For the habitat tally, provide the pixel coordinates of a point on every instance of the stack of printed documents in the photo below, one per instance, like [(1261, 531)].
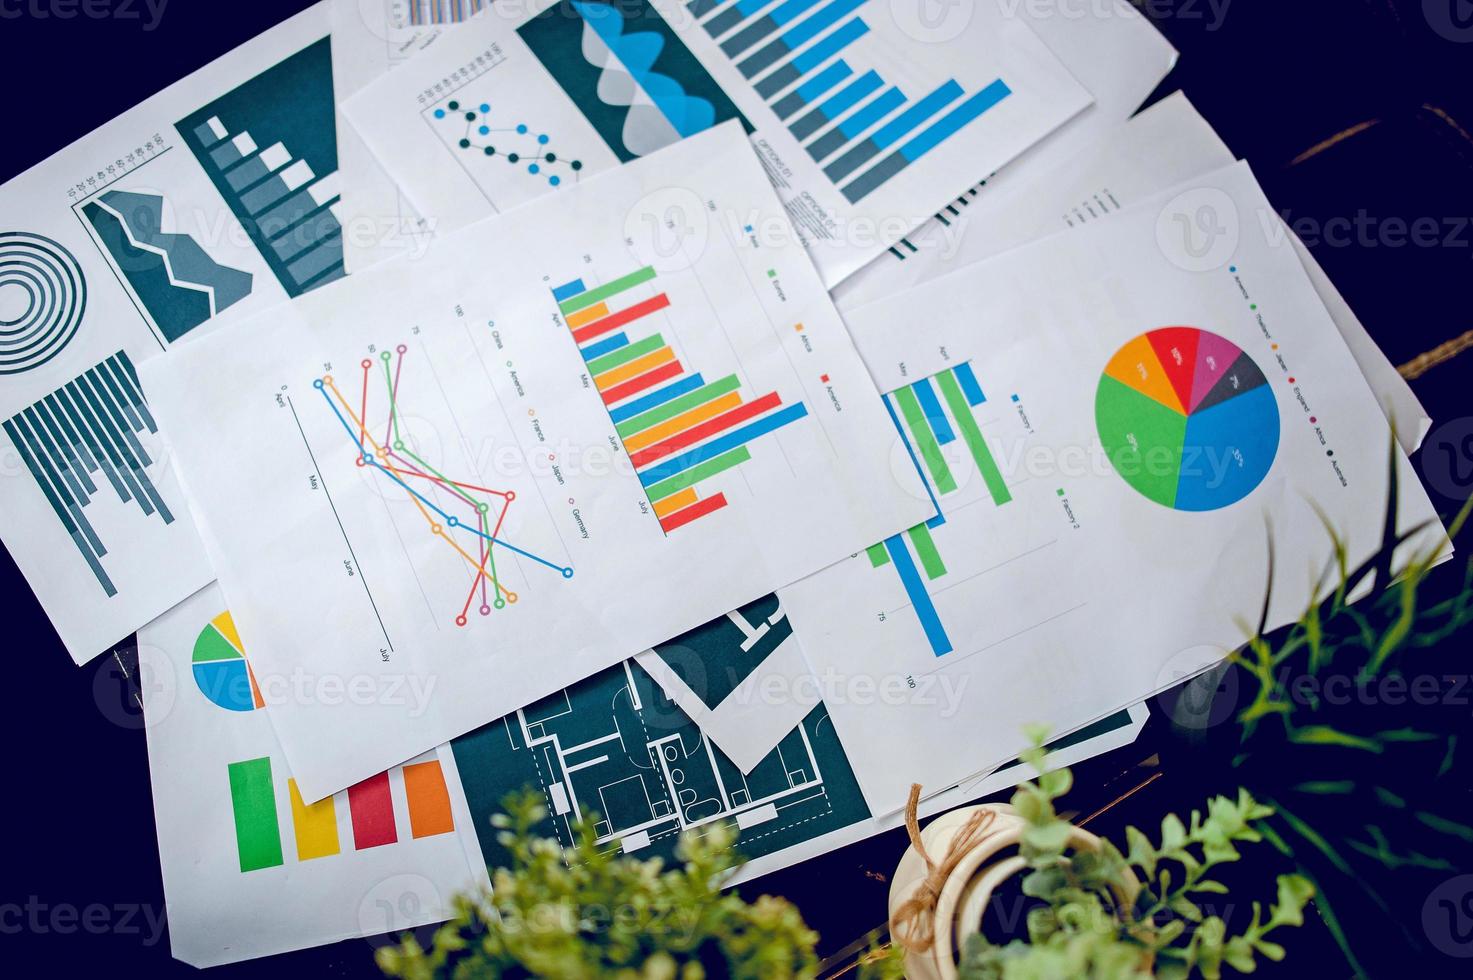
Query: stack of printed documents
[(737, 411)]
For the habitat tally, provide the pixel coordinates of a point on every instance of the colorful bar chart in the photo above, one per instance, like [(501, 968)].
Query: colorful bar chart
[(863, 129), (86, 427), (931, 414), (678, 429), (315, 828)]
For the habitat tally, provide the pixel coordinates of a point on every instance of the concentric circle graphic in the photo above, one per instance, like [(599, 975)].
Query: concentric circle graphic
[(1187, 418), (42, 298)]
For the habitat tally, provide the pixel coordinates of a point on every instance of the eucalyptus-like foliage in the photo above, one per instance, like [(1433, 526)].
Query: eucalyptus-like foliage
[(591, 913)]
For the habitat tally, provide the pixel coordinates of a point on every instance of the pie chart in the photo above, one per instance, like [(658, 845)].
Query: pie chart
[(1187, 418), (220, 668)]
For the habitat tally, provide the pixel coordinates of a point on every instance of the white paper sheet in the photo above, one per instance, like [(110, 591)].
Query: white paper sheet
[(369, 37), (129, 240), (506, 110), (738, 683), (248, 870), (1166, 144), (1115, 53), (376, 608), (1069, 570)]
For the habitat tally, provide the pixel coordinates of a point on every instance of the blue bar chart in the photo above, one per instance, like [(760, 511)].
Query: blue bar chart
[(89, 427), (270, 147), (862, 128), (930, 415)]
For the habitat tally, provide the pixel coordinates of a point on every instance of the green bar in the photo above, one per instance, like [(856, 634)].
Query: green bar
[(625, 354), (920, 536), (951, 390), (696, 474), (926, 443), (878, 556), (608, 289), (257, 832), (675, 406)]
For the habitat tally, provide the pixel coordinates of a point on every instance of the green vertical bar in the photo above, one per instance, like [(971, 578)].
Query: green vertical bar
[(951, 390), (608, 289), (926, 443), (675, 406), (696, 474), (257, 831), (625, 354), (878, 556), (925, 546)]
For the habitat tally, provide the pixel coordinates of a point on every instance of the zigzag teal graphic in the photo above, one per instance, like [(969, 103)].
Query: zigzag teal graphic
[(174, 278)]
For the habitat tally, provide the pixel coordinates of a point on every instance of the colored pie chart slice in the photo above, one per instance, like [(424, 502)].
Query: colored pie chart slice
[(1187, 419), (220, 668)]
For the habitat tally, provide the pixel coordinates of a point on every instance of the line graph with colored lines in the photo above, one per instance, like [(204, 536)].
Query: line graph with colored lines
[(679, 430), (467, 516)]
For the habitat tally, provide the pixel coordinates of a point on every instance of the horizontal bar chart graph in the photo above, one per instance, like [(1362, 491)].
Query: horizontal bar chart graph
[(930, 415), (315, 827), (678, 428), (277, 169), (864, 129)]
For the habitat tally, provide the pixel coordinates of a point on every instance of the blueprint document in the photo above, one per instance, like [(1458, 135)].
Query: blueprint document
[(215, 199), (447, 486), (1117, 425), (867, 116)]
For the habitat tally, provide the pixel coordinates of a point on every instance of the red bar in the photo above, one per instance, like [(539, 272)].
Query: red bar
[(647, 380), (373, 812), (709, 427), (616, 320), (700, 508)]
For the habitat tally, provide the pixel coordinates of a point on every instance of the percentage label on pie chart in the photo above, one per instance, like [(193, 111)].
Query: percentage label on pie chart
[(1187, 418)]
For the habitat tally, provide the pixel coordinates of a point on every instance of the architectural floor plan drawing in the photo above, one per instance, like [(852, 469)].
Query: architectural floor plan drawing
[(616, 747)]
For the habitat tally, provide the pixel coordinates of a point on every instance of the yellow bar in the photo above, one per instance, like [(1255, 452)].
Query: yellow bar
[(634, 368), (316, 826), (675, 502), (683, 421), (587, 315)]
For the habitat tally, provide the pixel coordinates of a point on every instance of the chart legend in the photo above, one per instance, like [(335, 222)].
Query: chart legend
[(679, 429)]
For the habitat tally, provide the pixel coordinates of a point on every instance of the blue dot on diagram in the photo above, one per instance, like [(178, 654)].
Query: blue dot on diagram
[(482, 134)]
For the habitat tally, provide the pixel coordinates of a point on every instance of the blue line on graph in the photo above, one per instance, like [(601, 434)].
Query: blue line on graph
[(970, 387), (920, 599), (931, 405), (940, 518), (714, 448), (450, 519)]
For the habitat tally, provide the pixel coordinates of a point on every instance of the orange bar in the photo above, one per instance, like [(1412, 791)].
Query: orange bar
[(683, 517), (634, 368), (683, 421), (675, 501), (587, 315), (429, 800)]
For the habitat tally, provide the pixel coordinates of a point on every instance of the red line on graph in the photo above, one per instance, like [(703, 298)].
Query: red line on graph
[(685, 515), (646, 380), (710, 427), (616, 320)]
